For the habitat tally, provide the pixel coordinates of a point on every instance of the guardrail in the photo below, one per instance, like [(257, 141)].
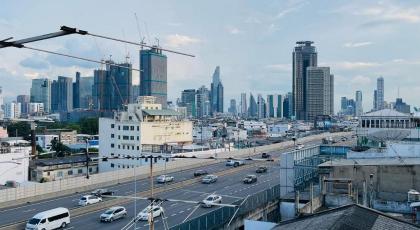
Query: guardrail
[(42, 191), (220, 217)]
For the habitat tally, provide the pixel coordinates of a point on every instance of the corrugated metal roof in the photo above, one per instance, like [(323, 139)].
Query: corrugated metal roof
[(161, 112), (373, 161), (386, 113)]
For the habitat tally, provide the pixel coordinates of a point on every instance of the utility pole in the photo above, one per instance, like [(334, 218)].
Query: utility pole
[(87, 159), (151, 219)]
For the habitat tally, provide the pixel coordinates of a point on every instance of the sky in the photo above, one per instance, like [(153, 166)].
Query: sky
[(251, 41)]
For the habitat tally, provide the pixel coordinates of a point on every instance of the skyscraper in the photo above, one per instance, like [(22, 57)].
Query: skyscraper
[(41, 92), (320, 92), (232, 107), (216, 92), (252, 110), (188, 100), (279, 107), (274, 106), (344, 103), (288, 105), (401, 106), (261, 107), (359, 103), (24, 103), (1, 103), (244, 107), (136, 92), (82, 92), (304, 56), (112, 88), (380, 103), (12, 110), (62, 94), (202, 102), (153, 77)]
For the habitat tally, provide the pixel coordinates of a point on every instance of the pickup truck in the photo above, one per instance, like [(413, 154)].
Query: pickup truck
[(234, 163)]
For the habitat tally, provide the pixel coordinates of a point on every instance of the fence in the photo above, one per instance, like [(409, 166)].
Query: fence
[(220, 217), (33, 192)]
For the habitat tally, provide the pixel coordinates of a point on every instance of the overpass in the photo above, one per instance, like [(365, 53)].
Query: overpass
[(185, 187)]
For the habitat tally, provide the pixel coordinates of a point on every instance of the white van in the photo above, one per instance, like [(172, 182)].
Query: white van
[(51, 219)]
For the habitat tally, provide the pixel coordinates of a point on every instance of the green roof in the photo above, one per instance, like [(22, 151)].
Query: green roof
[(161, 112)]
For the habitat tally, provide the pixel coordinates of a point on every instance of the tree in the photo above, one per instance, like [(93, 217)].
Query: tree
[(23, 129), (89, 126)]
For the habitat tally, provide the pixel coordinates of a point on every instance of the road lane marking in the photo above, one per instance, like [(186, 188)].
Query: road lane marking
[(29, 210)]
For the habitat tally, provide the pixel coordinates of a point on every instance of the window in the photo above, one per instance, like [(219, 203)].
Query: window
[(112, 154), (70, 172), (131, 137), (90, 170), (112, 135), (132, 128), (138, 128), (112, 126), (130, 118), (118, 146), (79, 171), (123, 146), (112, 145), (119, 127), (138, 148), (132, 147), (119, 137), (112, 165), (48, 173), (126, 137), (60, 174), (138, 138), (126, 127), (57, 217)]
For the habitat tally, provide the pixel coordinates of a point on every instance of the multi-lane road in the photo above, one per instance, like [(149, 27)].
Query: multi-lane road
[(229, 186)]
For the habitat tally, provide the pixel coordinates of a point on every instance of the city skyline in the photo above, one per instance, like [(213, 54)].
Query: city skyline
[(357, 59)]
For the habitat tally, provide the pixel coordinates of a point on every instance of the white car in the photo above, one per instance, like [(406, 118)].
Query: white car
[(113, 213), (89, 199), (144, 215), (211, 200), (234, 163), (164, 179)]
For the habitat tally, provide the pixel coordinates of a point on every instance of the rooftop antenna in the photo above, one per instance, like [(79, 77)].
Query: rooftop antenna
[(157, 40)]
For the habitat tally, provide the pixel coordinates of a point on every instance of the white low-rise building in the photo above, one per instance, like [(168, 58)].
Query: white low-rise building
[(255, 126), (278, 130), (144, 128), (14, 161)]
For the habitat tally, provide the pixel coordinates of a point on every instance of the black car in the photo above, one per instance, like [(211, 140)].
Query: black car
[(102, 191), (261, 169), (200, 172), (265, 155), (249, 179)]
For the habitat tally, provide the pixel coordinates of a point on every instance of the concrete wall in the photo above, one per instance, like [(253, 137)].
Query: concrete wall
[(390, 182)]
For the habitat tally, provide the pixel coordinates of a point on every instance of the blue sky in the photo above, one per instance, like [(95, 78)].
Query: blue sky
[(252, 41)]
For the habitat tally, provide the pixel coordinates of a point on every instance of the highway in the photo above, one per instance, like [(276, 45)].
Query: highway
[(229, 186)]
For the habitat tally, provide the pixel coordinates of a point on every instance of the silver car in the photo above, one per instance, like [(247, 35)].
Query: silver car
[(164, 179), (211, 200), (113, 213), (209, 179)]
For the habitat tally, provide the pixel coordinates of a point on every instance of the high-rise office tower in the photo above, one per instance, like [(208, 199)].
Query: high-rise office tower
[(252, 110), (401, 106), (261, 107), (202, 102), (232, 107), (41, 92), (244, 107), (274, 106), (153, 75), (359, 103), (62, 94), (344, 103), (188, 100), (1, 103), (304, 56), (288, 105), (112, 88), (24, 103), (216, 92), (82, 92), (270, 106), (12, 110), (320, 92), (136, 93), (380, 104)]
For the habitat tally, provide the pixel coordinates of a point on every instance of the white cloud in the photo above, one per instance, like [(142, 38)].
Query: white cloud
[(291, 8), (31, 75), (360, 80), (357, 44), (388, 12), (353, 65), (234, 31), (279, 67), (177, 40)]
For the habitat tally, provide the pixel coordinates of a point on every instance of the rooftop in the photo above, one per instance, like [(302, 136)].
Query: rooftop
[(161, 112), (373, 161), (352, 217), (386, 113), (62, 160)]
